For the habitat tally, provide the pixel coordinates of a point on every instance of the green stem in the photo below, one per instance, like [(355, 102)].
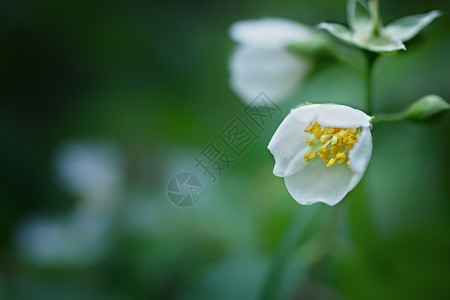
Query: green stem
[(374, 11), (324, 243), (384, 117), (371, 57), (293, 234)]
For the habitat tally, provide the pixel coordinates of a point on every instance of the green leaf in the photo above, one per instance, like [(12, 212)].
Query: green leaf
[(430, 108), (358, 15), (406, 28), (339, 31)]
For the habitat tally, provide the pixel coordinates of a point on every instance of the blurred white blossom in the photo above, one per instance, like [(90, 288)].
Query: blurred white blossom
[(322, 151), (91, 170), (78, 239), (262, 61)]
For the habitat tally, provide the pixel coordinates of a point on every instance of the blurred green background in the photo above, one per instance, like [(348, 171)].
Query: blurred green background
[(102, 102)]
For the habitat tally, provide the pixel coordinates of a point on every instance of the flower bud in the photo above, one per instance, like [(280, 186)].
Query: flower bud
[(430, 108)]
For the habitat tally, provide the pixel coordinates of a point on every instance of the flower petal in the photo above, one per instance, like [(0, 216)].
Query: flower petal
[(288, 146), (333, 115), (358, 15), (406, 28), (362, 39), (338, 31), (275, 72), (387, 47), (360, 156), (269, 33), (318, 183), (341, 116)]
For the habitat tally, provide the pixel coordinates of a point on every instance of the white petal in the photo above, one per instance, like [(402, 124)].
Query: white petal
[(319, 183), (364, 38), (338, 31), (361, 38), (406, 28), (276, 72), (360, 156), (269, 33), (358, 15), (288, 146), (388, 47), (342, 116), (332, 115)]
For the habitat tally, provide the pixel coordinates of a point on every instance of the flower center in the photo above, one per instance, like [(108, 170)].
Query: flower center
[(330, 143)]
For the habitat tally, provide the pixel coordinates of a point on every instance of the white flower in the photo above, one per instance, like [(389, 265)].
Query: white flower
[(322, 151), (367, 32), (262, 63)]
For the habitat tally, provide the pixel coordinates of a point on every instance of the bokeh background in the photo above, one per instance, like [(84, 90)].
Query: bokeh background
[(102, 102)]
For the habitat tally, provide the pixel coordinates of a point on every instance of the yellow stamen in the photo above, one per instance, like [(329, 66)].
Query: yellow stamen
[(334, 149), (310, 142), (330, 143), (331, 162)]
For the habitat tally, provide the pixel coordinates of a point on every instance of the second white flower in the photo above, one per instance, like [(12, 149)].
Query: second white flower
[(322, 151)]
